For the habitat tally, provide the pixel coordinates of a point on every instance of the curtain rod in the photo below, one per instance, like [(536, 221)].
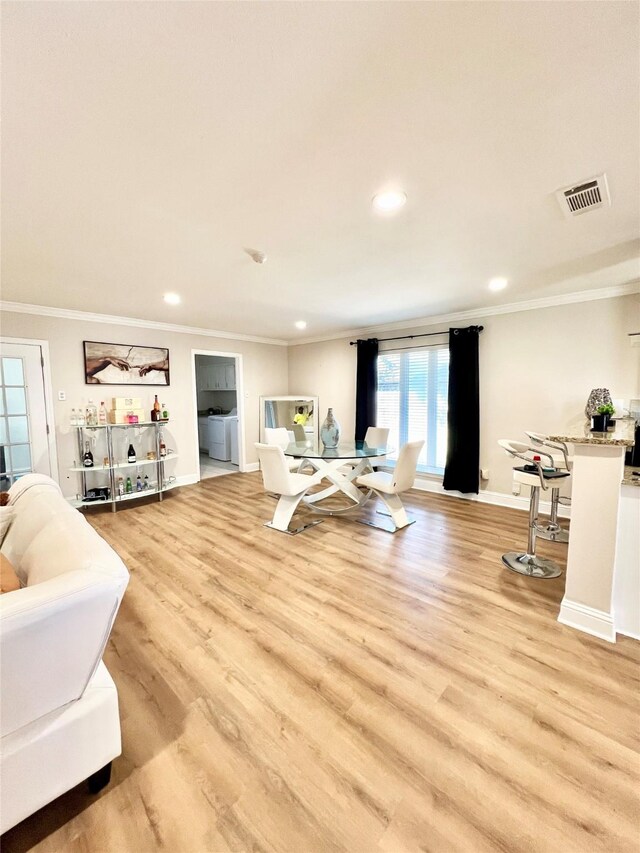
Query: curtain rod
[(411, 337)]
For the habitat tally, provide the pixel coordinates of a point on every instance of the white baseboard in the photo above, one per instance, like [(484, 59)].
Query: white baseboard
[(521, 502), (587, 619), (187, 479), (251, 466)]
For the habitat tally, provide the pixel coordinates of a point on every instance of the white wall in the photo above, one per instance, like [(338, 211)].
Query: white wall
[(536, 370), (265, 372)]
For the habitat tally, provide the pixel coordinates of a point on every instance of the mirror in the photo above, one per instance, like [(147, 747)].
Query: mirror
[(297, 410)]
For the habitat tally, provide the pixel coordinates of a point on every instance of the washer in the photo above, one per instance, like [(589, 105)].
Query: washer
[(220, 429)]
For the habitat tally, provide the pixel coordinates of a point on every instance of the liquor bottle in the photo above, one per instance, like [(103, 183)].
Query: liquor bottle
[(163, 446), (165, 412), (102, 414), (92, 414), (138, 483), (128, 487), (87, 459), (131, 454), (80, 417), (146, 482), (73, 420), (155, 412), (120, 486)]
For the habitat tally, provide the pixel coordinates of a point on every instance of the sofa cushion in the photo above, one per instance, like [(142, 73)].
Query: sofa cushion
[(67, 543), (32, 513)]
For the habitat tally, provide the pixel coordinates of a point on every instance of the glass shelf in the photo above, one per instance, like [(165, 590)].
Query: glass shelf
[(121, 426), (145, 493), (166, 458)]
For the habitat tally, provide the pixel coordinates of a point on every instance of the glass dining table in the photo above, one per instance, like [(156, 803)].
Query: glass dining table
[(341, 466)]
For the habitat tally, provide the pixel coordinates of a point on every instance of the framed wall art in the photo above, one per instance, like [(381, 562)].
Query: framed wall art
[(120, 364)]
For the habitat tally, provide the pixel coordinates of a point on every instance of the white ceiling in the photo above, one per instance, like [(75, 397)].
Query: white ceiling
[(145, 144)]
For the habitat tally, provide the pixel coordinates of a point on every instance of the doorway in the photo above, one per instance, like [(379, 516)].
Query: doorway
[(217, 388), (26, 423)]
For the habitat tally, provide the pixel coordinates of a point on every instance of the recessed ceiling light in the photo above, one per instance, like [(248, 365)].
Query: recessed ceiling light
[(300, 324), (498, 283), (172, 299), (389, 202)]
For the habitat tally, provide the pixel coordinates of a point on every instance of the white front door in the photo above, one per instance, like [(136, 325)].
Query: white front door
[(24, 435)]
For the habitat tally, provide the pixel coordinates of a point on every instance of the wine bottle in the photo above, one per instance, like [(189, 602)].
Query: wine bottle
[(87, 459), (128, 487), (102, 414), (131, 454), (163, 447)]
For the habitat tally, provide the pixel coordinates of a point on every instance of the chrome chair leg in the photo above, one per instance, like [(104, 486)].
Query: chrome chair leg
[(529, 563), (552, 529)]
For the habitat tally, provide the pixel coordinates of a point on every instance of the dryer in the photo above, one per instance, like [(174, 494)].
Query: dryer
[(220, 429)]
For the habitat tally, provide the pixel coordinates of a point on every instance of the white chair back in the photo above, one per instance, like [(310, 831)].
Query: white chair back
[(278, 437), (275, 471), (513, 447), (405, 470), (377, 437)]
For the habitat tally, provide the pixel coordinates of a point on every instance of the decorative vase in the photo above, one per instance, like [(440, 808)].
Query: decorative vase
[(598, 397), (330, 430)]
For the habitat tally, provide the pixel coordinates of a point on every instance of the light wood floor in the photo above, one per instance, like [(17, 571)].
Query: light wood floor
[(350, 690)]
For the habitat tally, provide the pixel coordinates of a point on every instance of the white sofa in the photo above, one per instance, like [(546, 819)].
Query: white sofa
[(59, 719)]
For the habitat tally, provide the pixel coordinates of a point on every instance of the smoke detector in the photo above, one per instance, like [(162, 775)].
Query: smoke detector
[(256, 256), (585, 196)]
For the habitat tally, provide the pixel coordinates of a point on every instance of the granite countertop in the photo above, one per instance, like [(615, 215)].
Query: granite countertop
[(629, 479), (622, 435)]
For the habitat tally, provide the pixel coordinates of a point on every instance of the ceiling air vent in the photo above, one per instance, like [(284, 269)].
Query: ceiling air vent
[(586, 196)]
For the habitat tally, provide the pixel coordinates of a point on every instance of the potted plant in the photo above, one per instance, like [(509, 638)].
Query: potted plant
[(601, 419)]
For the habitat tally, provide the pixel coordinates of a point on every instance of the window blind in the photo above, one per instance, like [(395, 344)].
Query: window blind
[(412, 402)]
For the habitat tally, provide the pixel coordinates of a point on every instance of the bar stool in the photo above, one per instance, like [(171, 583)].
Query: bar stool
[(553, 530), (534, 475)]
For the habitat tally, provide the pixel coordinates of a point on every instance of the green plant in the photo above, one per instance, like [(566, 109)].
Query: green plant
[(606, 409)]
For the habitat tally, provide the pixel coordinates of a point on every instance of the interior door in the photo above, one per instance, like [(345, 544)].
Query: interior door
[(24, 434)]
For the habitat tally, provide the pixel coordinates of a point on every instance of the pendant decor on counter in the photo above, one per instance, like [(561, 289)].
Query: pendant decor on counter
[(598, 397), (330, 430)]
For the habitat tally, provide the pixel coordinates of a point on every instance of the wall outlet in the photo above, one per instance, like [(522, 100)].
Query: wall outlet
[(484, 473), (62, 395)]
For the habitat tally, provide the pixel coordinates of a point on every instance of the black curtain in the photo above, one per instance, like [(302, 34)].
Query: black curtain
[(366, 386), (462, 471)]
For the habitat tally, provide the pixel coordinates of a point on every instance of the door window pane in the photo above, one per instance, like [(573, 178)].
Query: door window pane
[(20, 457), (12, 371), (3, 431), (18, 429), (16, 401)]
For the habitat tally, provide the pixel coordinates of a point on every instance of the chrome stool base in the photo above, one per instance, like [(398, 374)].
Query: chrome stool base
[(531, 565), (553, 533)]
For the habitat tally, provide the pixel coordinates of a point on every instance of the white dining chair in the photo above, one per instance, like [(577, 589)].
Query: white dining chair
[(279, 437), (377, 437), (389, 486), (291, 488)]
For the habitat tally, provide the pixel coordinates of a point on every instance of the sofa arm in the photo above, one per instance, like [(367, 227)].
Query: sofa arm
[(52, 637)]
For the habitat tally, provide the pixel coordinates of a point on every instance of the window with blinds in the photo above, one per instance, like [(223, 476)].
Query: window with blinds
[(412, 402)]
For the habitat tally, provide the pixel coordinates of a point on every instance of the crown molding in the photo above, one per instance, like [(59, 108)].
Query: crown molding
[(435, 320), (479, 313), (90, 317)]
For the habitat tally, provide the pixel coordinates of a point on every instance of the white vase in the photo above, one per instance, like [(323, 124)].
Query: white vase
[(330, 430)]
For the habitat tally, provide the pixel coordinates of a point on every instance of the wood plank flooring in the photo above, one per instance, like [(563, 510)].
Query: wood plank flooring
[(349, 690)]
